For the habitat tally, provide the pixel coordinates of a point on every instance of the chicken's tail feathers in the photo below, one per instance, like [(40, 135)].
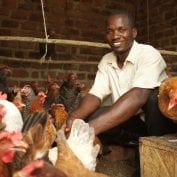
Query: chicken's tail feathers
[(33, 119), (81, 141)]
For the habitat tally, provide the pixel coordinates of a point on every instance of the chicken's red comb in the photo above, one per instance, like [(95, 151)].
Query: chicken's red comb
[(15, 137), (3, 96)]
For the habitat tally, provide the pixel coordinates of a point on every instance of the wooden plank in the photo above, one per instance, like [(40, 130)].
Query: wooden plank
[(158, 156), (69, 42)]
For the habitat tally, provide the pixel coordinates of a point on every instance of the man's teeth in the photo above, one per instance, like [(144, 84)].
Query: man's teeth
[(116, 43)]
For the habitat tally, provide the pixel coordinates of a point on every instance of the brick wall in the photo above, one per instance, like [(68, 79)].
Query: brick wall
[(160, 20), (76, 20)]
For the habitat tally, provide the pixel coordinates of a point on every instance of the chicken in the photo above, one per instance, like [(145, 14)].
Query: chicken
[(39, 138), (167, 98), (12, 118), (2, 114), (27, 94), (9, 143), (59, 115), (39, 168), (17, 100), (77, 154), (35, 87), (5, 72), (52, 95), (70, 92), (37, 103), (98, 141)]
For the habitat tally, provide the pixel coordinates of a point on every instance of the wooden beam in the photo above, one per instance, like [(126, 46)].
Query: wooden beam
[(68, 42)]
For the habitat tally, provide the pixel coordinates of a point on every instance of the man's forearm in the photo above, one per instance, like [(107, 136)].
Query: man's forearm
[(87, 106), (121, 110)]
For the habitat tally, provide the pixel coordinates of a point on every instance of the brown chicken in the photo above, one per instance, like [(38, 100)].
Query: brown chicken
[(52, 95), (167, 98), (37, 103), (59, 115), (39, 134)]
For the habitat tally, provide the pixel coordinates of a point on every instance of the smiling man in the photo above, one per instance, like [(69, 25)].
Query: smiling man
[(131, 74)]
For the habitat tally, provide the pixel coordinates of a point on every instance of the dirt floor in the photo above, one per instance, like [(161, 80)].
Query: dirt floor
[(120, 162)]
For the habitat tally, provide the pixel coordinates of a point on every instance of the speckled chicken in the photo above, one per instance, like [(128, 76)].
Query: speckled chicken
[(70, 92), (27, 94), (167, 98)]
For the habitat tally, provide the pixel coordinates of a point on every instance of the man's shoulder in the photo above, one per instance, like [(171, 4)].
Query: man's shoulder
[(108, 56), (146, 47)]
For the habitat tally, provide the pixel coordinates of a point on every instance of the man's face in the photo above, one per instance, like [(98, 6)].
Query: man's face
[(120, 33)]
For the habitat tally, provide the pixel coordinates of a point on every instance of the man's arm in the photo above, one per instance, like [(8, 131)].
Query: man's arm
[(87, 106), (124, 108)]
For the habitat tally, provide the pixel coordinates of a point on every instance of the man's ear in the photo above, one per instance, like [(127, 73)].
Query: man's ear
[(134, 32)]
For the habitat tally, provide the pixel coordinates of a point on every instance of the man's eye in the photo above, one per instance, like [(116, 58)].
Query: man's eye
[(109, 31), (122, 30)]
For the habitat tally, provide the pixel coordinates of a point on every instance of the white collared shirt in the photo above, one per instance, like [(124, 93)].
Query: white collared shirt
[(144, 68)]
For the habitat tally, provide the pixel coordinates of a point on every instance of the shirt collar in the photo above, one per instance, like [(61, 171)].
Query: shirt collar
[(133, 53), (130, 58)]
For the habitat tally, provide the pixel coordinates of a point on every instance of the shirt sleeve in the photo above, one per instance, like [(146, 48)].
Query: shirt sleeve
[(100, 87), (150, 71)]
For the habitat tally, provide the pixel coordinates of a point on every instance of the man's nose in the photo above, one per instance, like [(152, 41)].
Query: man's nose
[(116, 34)]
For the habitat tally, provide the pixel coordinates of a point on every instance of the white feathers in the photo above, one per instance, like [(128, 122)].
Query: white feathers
[(53, 152), (81, 142), (12, 119)]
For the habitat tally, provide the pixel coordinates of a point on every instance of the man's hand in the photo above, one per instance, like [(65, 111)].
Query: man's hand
[(68, 124)]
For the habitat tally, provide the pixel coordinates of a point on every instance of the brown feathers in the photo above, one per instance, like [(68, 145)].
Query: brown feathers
[(167, 98)]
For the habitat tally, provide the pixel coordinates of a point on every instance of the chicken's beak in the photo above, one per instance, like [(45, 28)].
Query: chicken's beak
[(21, 146), (170, 106), (172, 103)]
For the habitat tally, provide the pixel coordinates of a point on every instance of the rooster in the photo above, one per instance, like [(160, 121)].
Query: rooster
[(167, 98), (77, 154), (9, 143)]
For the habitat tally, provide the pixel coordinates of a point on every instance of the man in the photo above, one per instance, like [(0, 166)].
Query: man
[(131, 73)]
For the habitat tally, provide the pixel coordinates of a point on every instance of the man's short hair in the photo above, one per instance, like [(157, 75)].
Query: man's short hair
[(126, 13)]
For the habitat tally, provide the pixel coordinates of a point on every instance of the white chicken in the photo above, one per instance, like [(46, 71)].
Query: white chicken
[(12, 119), (76, 155)]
